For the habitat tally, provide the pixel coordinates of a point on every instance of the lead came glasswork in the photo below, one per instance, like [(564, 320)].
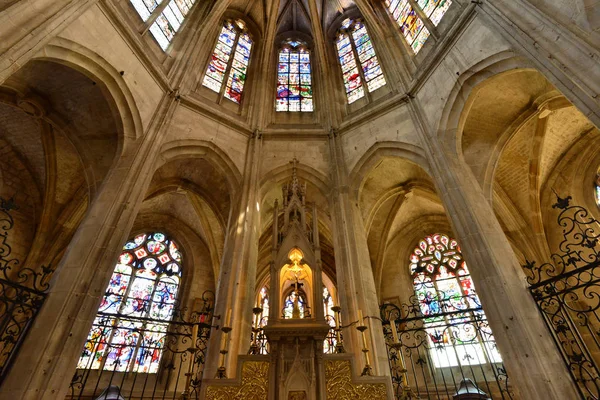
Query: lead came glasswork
[(294, 83), (168, 22), (144, 7), (412, 26), (232, 34), (448, 300), (140, 297), (354, 34)]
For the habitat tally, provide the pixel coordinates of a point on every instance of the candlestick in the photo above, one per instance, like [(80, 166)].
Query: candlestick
[(222, 371), (360, 318), (194, 334), (367, 370), (228, 318), (394, 331), (339, 346)]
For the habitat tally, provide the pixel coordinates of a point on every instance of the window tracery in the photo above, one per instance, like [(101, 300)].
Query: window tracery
[(165, 17), (131, 323), (294, 80), (409, 15), (227, 62), (353, 42), (456, 325)]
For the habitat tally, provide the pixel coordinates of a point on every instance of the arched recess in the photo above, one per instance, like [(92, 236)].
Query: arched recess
[(87, 62), (191, 148), (393, 193), (514, 129), (380, 150), (449, 126), (76, 115), (196, 182)]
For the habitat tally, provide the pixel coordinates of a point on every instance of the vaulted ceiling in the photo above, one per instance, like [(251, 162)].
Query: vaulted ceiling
[(293, 15)]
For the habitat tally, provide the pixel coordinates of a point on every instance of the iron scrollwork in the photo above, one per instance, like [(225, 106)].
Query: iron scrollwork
[(433, 354), (22, 292), (180, 358), (566, 290)]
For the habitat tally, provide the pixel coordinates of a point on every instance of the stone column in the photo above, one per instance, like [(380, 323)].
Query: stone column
[(535, 367), (355, 279), (27, 26), (46, 362), (237, 277), (569, 62)]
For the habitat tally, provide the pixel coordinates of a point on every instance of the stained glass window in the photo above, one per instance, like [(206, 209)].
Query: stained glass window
[(411, 24), (169, 18), (294, 82), (597, 189), (129, 330), (330, 316), (263, 302), (457, 327), (233, 36), (354, 42), (295, 297)]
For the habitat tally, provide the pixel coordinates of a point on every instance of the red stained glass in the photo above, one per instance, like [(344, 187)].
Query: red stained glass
[(128, 332)]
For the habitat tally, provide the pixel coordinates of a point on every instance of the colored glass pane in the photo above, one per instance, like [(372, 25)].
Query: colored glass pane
[(294, 83), (138, 303), (411, 25), (455, 323), (354, 39), (232, 36), (169, 21), (288, 310), (144, 7), (597, 189)]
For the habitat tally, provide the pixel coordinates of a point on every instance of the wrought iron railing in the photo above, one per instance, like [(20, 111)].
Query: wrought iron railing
[(435, 356), (22, 293), (180, 365), (259, 344), (567, 292)]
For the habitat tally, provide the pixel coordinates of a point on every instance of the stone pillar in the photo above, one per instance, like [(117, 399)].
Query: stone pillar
[(46, 362), (355, 279), (237, 277), (535, 367), (27, 26), (569, 62)]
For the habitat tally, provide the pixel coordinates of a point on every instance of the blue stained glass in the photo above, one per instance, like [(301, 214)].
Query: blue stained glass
[(294, 90), (371, 70), (411, 25), (231, 34), (136, 305), (455, 323)]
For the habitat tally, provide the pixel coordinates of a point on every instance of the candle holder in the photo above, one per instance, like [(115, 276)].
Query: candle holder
[(406, 392), (222, 371), (339, 345), (367, 370), (185, 395), (256, 330)]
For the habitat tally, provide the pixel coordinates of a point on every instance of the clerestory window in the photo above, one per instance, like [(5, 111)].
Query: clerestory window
[(164, 17), (410, 16), (230, 59), (294, 80), (354, 43)]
